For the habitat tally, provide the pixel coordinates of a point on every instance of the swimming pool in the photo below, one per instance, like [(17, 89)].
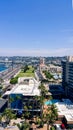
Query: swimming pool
[(50, 102)]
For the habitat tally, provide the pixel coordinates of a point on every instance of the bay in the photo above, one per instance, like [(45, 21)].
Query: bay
[(2, 67)]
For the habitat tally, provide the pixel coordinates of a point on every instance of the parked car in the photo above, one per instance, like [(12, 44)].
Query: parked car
[(57, 126)]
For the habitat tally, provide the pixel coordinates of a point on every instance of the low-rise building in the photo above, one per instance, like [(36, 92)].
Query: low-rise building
[(54, 69), (65, 111), (24, 95)]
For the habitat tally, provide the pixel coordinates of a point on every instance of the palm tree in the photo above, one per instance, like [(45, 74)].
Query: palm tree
[(1, 80), (44, 116), (47, 118), (8, 115), (43, 90), (54, 111), (50, 97), (42, 97), (1, 86), (10, 100), (38, 101), (23, 126), (39, 122), (27, 113), (51, 115), (0, 118)]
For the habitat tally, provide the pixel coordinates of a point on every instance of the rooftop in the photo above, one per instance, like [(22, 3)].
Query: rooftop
[(27, 86), (65, 108), (69, 118)]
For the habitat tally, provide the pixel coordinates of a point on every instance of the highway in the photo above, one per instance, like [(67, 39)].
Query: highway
[(11, 73)]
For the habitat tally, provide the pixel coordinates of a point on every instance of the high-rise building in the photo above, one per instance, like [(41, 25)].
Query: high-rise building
[(67, 76)]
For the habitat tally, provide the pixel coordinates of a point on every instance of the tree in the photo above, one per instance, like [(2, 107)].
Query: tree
[(23, 126), (14, 80), (42, 97), (48, 74), (1, 86), (52, 128), (51, 115), (0, 118), (25, 68), (8, 115), (1, 80), (50, 97), (43, 90), (39, 122), (10, 100), (27, 113), (54, 113)]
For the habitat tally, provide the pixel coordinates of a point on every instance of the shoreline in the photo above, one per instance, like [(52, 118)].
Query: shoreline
[(3, 70)]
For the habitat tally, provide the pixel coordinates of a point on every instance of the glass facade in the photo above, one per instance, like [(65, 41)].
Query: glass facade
[(67, 78)]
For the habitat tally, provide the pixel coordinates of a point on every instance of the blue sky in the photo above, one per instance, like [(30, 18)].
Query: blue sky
[(36, 27)]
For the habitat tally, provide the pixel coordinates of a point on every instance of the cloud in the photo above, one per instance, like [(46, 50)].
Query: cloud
[(40, 52)]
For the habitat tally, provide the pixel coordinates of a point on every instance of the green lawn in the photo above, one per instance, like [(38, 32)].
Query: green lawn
[(28, 73)]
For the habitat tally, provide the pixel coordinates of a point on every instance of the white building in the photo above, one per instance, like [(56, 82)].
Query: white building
[(27, 86), (65, 110), (24, 94)]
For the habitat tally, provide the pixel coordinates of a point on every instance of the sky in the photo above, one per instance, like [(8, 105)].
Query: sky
[(36, 27)]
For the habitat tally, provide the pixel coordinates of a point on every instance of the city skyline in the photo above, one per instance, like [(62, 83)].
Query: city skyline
[(36, 28)]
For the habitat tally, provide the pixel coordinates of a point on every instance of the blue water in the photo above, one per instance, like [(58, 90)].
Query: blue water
[(2, 67), (50, 102)]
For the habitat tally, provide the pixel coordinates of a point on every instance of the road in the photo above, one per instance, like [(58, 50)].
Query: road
[(11, 74)]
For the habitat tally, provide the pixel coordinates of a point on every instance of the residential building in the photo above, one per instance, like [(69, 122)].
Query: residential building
[(67, 76), (54, 69)]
